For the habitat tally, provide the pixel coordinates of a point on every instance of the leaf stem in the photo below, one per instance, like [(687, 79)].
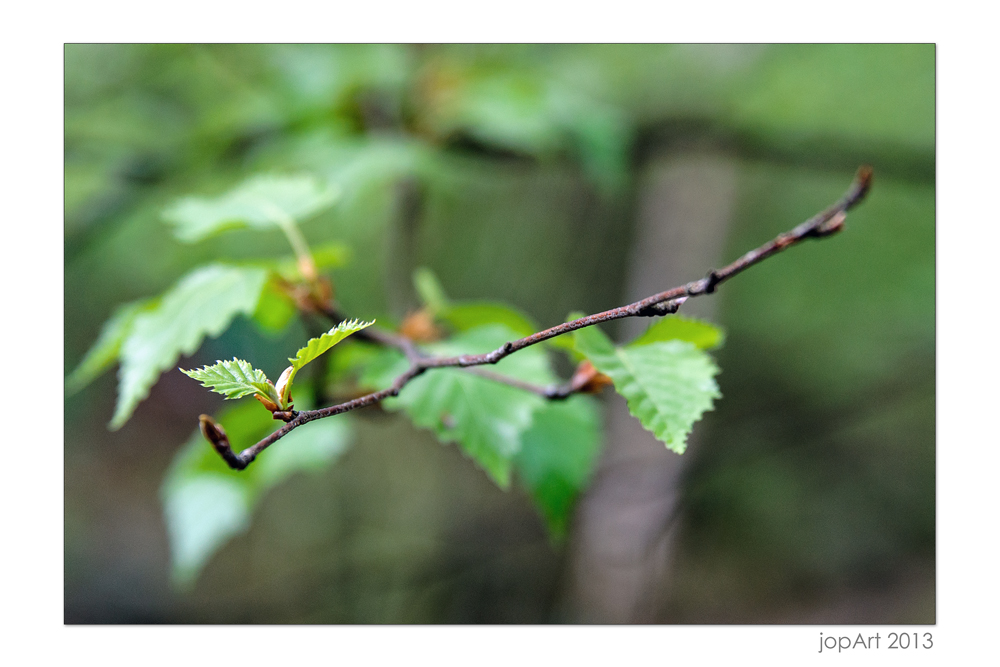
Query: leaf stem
[(306, 264)]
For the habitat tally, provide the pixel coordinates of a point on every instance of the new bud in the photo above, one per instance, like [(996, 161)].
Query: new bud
[(284, 388), (213, 432)]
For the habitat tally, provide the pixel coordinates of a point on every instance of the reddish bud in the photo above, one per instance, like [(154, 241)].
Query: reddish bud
[(419, 327), (588, 380), (266, 402)]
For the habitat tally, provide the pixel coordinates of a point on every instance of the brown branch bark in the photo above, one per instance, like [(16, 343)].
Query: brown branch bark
[(825, 223)]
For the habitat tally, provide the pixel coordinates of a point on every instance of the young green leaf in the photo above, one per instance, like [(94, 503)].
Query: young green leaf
[(203, 303), (317, 346), (262, 202), (234, 379), (313, 349), (668, 384), (205, 503)]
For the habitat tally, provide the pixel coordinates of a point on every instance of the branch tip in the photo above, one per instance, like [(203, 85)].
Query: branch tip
[(860, 187)]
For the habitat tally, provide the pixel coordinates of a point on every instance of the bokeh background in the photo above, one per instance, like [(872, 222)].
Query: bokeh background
[(555, 178)]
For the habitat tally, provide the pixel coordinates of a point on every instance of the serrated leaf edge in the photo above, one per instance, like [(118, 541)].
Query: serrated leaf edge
[(253, 380)]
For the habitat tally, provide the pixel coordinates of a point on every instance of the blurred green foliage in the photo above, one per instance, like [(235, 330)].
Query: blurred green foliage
[(815, 474)]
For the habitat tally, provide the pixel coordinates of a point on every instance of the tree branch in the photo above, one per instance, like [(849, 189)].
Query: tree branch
[(826, 223)]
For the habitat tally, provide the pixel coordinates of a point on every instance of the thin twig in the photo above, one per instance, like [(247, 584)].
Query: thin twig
[(821, 225)]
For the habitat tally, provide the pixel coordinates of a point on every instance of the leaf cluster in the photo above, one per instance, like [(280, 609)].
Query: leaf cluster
[(552, 447), (148, 337)]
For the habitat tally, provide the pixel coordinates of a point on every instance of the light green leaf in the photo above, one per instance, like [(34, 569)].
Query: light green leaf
[(485, 417), (668, 384), (703, 335), (203, 303), (104, 352), (558, 455), (262, 202), (234, 379), (316, 347), (319, 345), (205, 503)]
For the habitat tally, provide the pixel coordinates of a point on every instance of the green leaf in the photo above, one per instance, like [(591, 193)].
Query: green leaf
[(668, 384), (262, 202), (486, 418), (558, 455), (702, 335), (203, 303), (205, 503), (234, 379), (319, 345), (104, 352)]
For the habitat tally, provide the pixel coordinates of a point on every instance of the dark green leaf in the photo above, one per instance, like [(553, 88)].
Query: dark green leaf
[(558, 455)]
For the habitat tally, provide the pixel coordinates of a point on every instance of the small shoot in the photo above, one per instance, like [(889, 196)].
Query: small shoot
[(237, 378), (312, 350)]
